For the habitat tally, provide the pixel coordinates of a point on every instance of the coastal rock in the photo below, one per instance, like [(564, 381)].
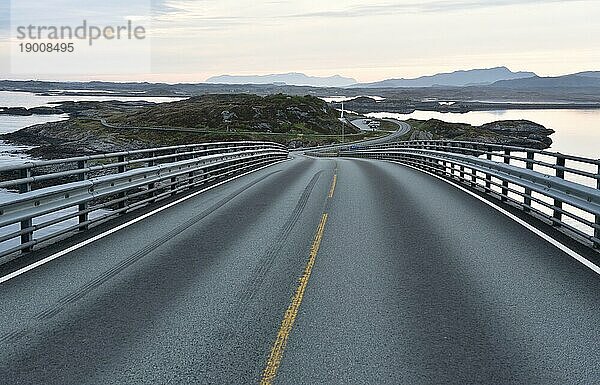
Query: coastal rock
[(67, 138), (519, 133), (16, 111), (46, 111), (22, 111), (518, 127)]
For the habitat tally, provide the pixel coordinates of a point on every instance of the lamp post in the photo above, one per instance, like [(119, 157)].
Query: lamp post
[(342, 121)]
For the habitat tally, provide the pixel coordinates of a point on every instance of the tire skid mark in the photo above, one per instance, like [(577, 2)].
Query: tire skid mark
[(84, 290), (229, 329), (258, 275)]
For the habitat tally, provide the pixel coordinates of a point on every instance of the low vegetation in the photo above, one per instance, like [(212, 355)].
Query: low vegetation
[(292, 120), (240, 112), (522, 133)]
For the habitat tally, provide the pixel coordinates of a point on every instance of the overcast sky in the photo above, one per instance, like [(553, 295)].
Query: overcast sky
[(195, 39)]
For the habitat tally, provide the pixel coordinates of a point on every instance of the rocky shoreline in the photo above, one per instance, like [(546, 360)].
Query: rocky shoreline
[(365, 105), (360, 105), (99, 127), (83, 133), (22, 111), (519, 133), (75, 136)]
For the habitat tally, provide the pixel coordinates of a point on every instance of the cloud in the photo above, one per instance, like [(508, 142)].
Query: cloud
[(187, 16), (436, 6), (220, 14), (4, 19), (69, 11)]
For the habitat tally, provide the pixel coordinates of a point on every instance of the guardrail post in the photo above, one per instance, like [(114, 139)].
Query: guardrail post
[(174, 179), (121, 169), (83, 206), (528, 192), (488, 177), (505, 183), (597, 230), (151, 163), (439, 165), (560, 173), (191, 179), (462, 168), (26, 224)]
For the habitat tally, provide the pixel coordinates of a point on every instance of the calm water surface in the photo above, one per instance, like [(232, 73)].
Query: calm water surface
[(577, 131)]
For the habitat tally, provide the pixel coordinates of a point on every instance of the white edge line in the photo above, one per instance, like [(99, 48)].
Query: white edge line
[(572, 253), (122, 226)]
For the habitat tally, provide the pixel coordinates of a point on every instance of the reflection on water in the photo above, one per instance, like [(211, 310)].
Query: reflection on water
[(577, 131)]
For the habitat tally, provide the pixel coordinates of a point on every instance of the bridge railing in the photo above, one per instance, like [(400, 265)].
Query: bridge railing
[(46, 200), (563, 190)]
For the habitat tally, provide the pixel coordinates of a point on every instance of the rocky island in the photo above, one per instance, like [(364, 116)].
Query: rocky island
[(451, 103), (22, 111), (520, 133), (297, 121), (95, 127)]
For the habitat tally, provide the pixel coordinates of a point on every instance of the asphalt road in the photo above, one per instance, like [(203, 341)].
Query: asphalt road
[(403, 127), (327, 271), (360, 124)]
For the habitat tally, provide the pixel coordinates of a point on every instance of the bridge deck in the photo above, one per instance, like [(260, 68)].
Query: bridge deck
[(414, 282)]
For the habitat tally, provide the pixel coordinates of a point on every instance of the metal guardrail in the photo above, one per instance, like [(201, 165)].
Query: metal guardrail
[(563, 190), (63, 196)]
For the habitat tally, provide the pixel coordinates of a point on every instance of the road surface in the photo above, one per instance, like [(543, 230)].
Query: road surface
[(312, 271), (403, 128), (361, 125)]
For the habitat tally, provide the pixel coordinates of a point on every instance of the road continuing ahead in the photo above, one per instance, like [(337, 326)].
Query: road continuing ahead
[(309, 272)]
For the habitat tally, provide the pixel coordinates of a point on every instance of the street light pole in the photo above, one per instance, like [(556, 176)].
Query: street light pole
[(342, 121)]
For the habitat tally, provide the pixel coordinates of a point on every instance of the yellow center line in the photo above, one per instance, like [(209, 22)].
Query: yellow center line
[(332, 190), (292, 311)]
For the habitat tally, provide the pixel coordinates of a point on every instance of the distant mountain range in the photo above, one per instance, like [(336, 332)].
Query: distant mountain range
[(497, 77), (485, 76), (580, 80), (589, 74), (453, 79), (292, 78)]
